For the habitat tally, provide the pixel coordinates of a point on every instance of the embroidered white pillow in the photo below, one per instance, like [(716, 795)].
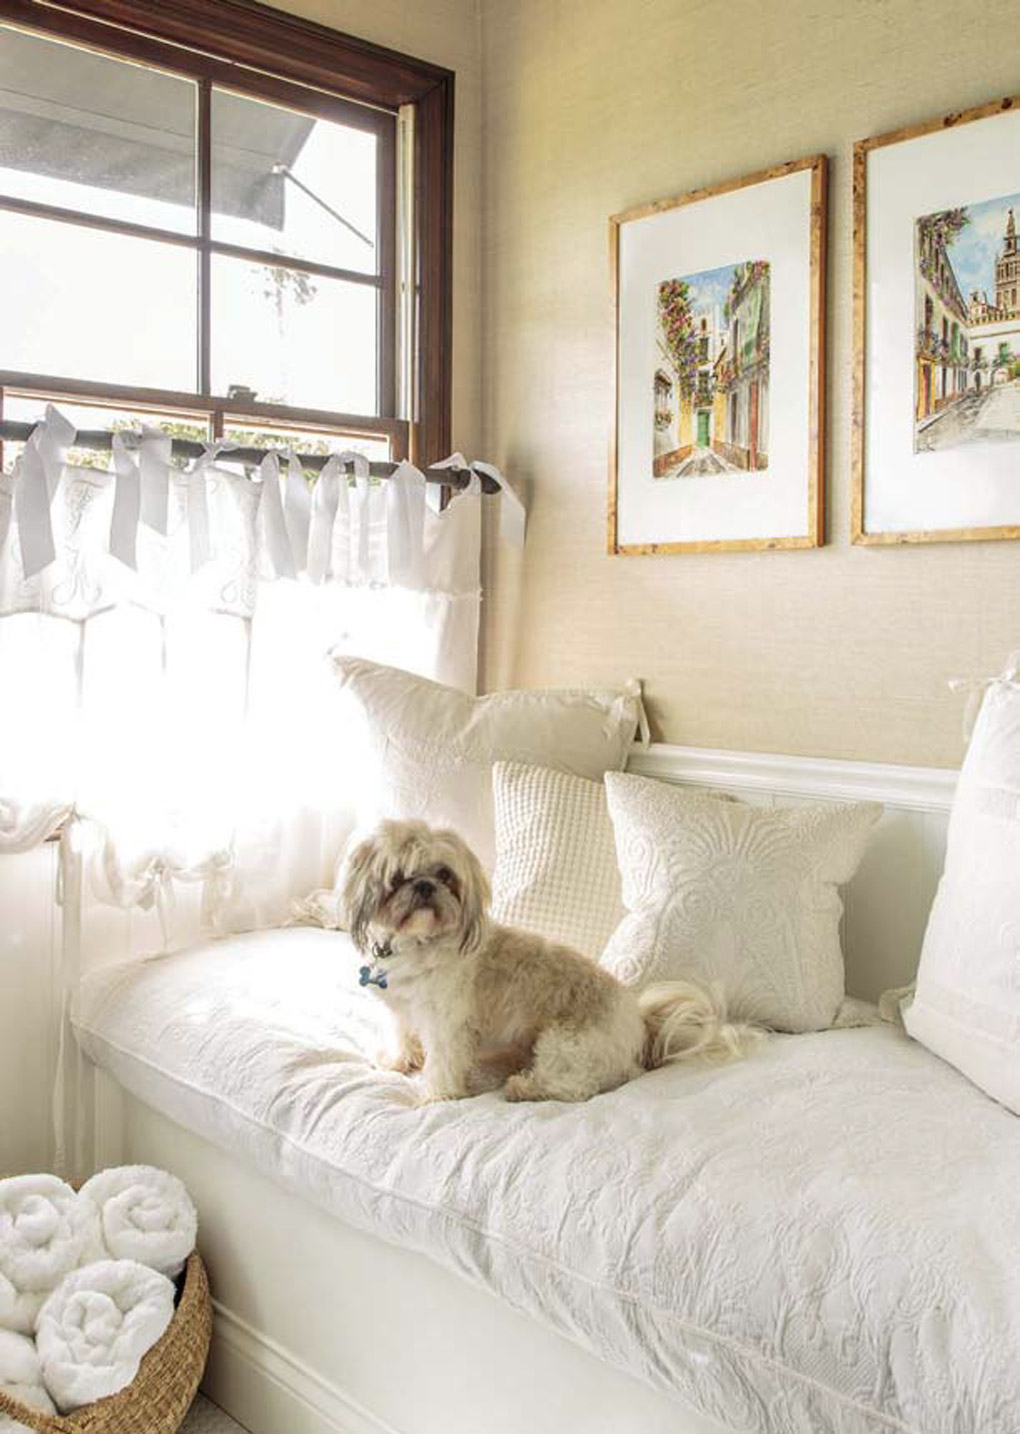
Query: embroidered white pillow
[(743, 897), (555, 871), (431, 749), (967, 1005)]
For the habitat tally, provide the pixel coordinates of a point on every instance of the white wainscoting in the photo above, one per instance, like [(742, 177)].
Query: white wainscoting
[(887, 903)]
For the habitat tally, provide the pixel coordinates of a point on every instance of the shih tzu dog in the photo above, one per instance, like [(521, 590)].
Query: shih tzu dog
[(470, 998)]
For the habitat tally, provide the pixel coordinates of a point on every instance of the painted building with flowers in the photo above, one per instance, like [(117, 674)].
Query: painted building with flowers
[(666, 449), (672, 436), (943, 345), (685, 413), (675, 376), (741, 371), (710, 339)]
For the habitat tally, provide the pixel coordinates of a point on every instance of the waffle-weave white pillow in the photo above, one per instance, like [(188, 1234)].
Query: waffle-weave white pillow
[(743, 897), (967, 1005), (556, 871)]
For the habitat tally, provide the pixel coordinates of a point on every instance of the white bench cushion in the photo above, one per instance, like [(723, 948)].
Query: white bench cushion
[(822, 1237)]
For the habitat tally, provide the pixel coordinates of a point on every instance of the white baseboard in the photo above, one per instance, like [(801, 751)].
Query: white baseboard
[(271, 1391)]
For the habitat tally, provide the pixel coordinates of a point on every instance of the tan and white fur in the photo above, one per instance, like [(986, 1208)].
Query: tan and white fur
[(470, 997)]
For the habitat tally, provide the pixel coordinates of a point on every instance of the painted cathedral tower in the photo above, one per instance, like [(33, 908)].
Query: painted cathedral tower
[(1007, 272)]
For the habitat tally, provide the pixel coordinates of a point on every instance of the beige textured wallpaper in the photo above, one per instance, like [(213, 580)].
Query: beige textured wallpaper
[(593, 106)]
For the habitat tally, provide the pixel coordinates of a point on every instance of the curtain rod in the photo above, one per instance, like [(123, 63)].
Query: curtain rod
[(101, 439)]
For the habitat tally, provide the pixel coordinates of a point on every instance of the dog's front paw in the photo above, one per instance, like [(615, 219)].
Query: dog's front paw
[(523, 1087)]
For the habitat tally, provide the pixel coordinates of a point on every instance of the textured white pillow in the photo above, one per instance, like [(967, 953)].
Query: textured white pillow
[(740, 896), (967, 1005), (432, 748), (556, 869)]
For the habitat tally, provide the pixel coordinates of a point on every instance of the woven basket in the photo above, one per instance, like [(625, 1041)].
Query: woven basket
[(157, 1399)]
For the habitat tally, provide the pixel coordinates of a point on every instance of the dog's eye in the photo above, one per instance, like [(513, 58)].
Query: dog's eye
[(445, 875)]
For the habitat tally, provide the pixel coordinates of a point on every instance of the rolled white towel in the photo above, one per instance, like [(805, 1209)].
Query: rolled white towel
[(95, 1327), (142, 1214), (21, 1378), (45, 1231)]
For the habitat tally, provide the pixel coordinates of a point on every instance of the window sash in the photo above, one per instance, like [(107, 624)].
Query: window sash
[(217, 409), (321, 60)]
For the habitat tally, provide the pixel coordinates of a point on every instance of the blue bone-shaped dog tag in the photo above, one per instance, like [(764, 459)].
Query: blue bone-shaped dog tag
[(374, 975)]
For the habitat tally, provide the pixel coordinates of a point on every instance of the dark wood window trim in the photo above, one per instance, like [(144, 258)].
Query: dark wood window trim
[(251, 47)]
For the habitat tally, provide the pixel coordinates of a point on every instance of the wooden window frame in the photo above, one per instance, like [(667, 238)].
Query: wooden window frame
[(254, 49)]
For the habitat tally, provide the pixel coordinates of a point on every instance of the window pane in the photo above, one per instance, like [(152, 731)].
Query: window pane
[(78, 303), (282, 336), (89, 132), (292, 184), (305, 441), (20, 409)]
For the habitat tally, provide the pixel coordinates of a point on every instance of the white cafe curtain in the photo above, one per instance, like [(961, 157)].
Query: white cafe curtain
[(163, 658)]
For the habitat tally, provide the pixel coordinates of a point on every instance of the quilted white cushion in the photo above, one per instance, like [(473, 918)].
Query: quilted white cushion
[(967, 1005), (432, 748), (818, 1240), (556, 869), (737, 896)]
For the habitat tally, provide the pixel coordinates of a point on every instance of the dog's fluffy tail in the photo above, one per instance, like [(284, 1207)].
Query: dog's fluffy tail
[(686, 1022)]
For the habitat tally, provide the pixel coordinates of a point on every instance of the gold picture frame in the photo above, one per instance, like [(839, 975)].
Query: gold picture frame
[(962, 343), (742, 456)]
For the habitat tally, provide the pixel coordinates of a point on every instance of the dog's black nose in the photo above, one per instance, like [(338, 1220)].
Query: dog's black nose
[(424, 888)]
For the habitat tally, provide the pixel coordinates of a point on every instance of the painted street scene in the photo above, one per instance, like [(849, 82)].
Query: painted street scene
[(712, 373), (967, 288)]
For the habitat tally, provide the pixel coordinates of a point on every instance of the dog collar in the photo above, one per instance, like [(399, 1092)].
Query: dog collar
[(371, 975)]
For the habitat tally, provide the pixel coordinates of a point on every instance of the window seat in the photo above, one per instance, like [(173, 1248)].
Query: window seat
[(821, 1237)]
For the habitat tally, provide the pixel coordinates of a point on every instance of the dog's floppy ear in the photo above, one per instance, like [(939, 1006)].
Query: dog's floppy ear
[(475, 896), (361, 890)]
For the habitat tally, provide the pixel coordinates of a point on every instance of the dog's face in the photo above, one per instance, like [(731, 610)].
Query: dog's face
[(408, 882)]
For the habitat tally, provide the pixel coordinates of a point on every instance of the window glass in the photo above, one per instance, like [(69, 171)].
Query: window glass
[(82, 303), (88, 132), (115, 142), (21, 409), (280, 335), (249, 435), (292, 184)]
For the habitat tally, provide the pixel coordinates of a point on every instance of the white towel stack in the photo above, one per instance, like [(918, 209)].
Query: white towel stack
[(90, 1276)]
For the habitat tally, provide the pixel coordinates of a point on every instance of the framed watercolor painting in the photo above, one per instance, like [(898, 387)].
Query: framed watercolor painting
[(718, 439), (937, 330)]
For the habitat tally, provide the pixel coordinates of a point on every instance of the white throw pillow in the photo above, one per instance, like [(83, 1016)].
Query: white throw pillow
[(737, 896), (967, 1005), (432, 748), (556, 870)]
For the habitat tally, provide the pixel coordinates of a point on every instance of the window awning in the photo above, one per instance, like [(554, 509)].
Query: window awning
[(71, 114)]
